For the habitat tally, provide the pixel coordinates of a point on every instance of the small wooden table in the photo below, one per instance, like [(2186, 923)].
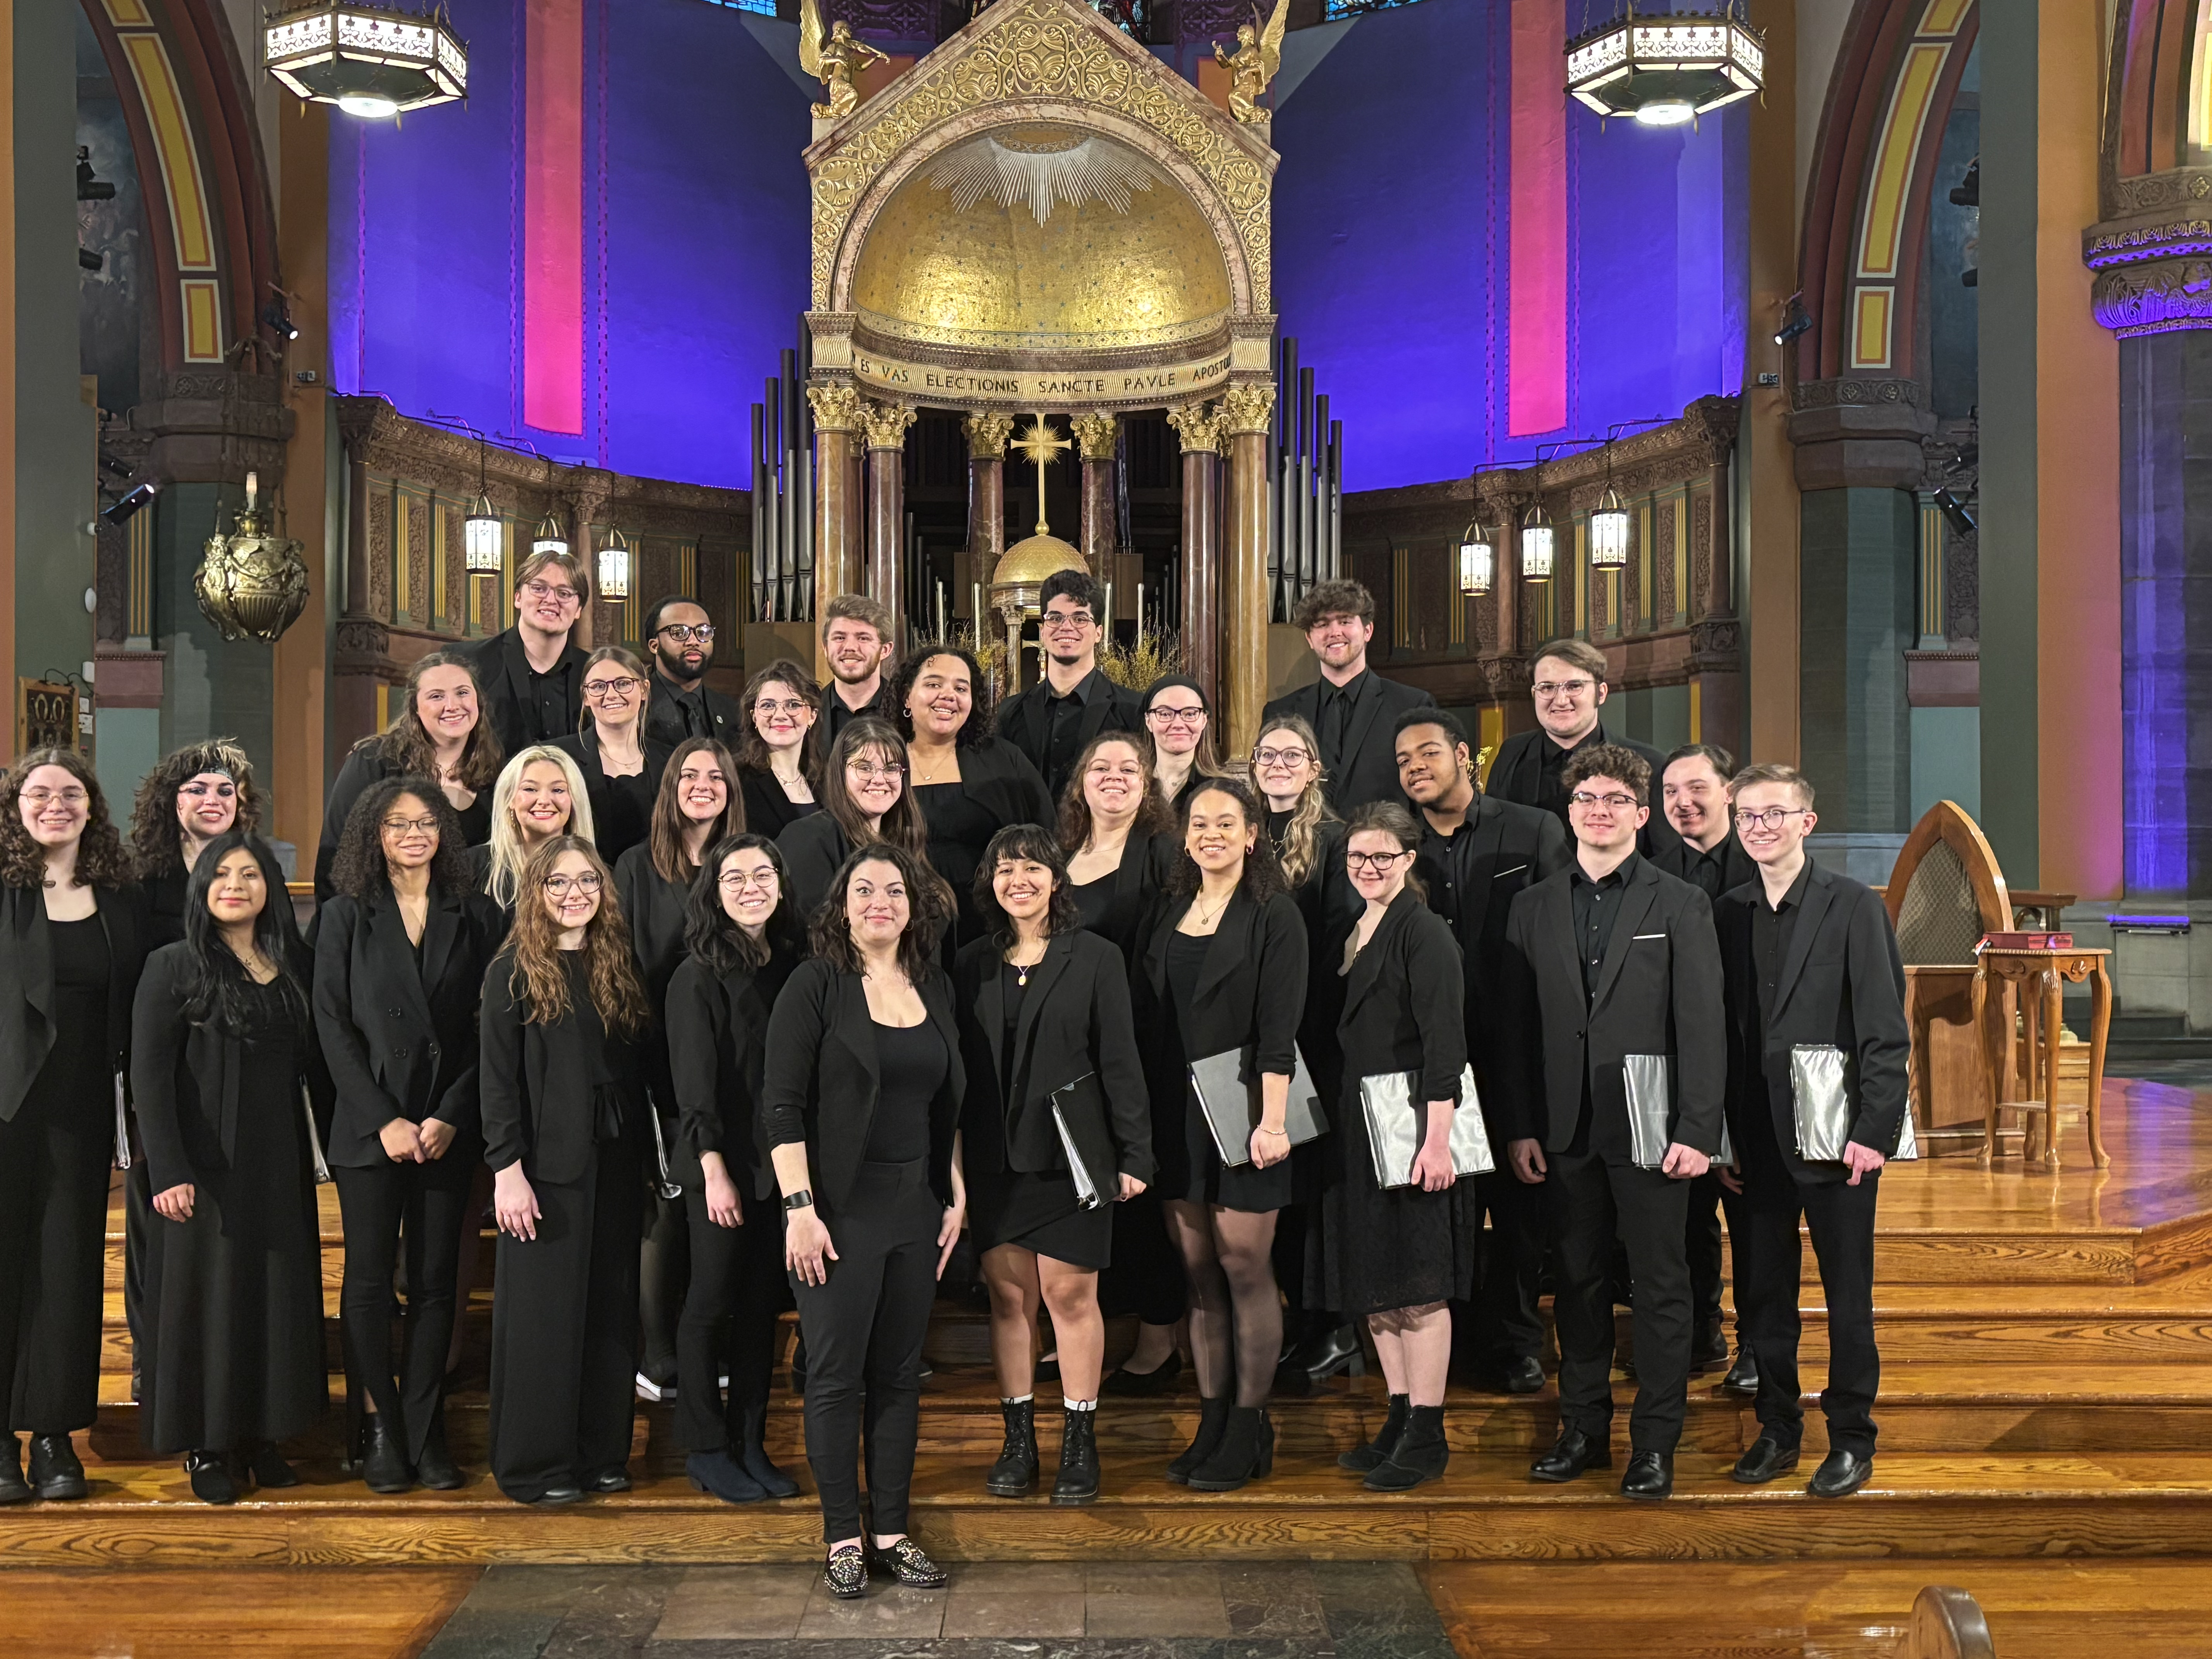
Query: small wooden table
[(2039, 975)]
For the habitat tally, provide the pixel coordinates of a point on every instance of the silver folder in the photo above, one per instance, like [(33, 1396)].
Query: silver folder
[(1820, 1102), (122, 1128), (314, 1137), (1232, 1104), (1651, 1100), (1086, 1188), (1398, 1121)]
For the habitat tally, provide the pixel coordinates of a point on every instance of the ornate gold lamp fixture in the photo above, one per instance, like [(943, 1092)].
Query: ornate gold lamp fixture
[(549, 538), (374, 62), (1665, 70), (1536, 545), (250, 582), (1478, 561)]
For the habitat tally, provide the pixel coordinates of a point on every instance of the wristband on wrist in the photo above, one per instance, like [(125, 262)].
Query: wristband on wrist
[(801, 1200)]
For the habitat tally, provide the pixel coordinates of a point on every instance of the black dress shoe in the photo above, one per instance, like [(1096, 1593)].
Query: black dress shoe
[(906, 1562), (1650, 1476), (55, 1471), (553, 1496), (1841, 1474), (1318, 1358), (614, 1479), (1572, 1453), (14, 1489), (212, 1480), (1743, 1375), (1708, 1345), (436, 1468), (270, 1470), (385, 1467), (847, 1574), (720, 1474), (1522, 1375), (1767, 1458), (1160, 1379)]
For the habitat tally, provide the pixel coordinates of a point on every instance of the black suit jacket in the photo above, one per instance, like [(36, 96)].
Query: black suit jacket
[(768, 811), (503, 682), (615, 829), (1075, 1021), (400, 1041), (717, 1050), (812, 848), (27, 982), (540, 1104), (1401, 1006), (664, 721), (1517, 769), (1368, 769), (1658, 993), (1842, 981), (1025, 722), (819, 1082)]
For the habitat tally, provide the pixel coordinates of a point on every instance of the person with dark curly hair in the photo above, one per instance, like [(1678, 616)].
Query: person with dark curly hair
[(776, 749), (400, 956), (1054, 1132), (72, 942), (968, 783), (198, 792), (861, 1089), (225, 1073), (1224, 971)]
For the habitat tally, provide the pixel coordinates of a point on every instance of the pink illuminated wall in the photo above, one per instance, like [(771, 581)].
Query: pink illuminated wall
[(1536, 327), (553, 217)]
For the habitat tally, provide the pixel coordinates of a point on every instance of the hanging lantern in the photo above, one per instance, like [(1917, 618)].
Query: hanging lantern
[(1608, 532), (1478, 561), (485, 538), (1664, 70), (549, 538), (374, 62), (614, 567), (250, 582), (1536, 546)]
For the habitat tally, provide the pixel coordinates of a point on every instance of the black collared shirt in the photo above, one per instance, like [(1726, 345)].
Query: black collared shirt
[(1063, 728), (690, 705), (1442, 865), (843, 713), (1708, 872), (1551, 778), (1596, 904), (1338, 704), (546, 700), (1771, 926)]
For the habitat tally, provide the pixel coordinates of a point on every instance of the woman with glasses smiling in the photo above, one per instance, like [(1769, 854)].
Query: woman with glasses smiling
[(201, 791), (540, 795), (401, 950), (865, 799), (780, 707), (621, 766), (1179, 725)]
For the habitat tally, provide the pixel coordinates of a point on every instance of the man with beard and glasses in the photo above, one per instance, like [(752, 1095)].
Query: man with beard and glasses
[(681, 642)]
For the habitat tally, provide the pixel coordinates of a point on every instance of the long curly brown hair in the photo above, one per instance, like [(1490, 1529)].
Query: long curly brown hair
[(408, 745), (100, 859), (361, 871), (929, 911), (1154, 817), (535, 974), (156, 839), (1263, 877)]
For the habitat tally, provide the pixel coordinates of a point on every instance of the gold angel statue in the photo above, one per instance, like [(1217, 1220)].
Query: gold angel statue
[(1259, 54), (833, 62)]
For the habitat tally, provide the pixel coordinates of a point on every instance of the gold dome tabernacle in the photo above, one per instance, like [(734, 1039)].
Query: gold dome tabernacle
[(1029, 561)]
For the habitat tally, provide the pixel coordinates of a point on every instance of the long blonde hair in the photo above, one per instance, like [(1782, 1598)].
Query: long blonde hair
[(1301, 834), (536, 974), (505, 878)]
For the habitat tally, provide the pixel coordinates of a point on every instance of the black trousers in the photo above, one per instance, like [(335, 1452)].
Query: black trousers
[(1591, 1204), (663, 1269), (864, 1330), (1501, 1322), (53, 1242), (729, 1325), (1770, 1261), (138, 1219), (1708, 1254), (564, 1331), (427, 1206)]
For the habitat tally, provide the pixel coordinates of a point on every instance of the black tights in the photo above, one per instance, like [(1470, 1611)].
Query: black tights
[(1235, 1311)]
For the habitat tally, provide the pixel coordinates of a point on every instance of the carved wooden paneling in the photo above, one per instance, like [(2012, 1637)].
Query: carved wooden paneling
[(418, 560), (455, 604), (1664, 601), (1701, 553), (378, 552), (1631, 577)]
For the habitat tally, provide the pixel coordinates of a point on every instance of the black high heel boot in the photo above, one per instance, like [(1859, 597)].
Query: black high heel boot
[(385, 1467), (1421, 1454), (1377, 1452), (752, 1452), (1247, 1452), (1077, 1482), (1015, 1473), (268, 1466), (1212, 1418)]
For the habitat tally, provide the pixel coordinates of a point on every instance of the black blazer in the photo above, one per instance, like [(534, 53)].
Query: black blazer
[(1658, 993), (27, 982), (184, 1077), (654, 910), (717, 1027), (1074, 1020), (999, 776), (365, 765), (1147, 861), (1842, 981), (1368, 769), (812, 849), (1517, 772), (1401, 1004), (768, 811), (616, 826), (1025, 722), (165, 906), (540, 1103), (819, 1083), (401, 1041), (503, 682), (663, 723)]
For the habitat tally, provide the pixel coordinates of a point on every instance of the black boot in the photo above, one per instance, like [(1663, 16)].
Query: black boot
[(14, 1489), (752, 1452), (1015, 1473), (1421, 1453), (1077, 1482), (1377, 1452), (719, 1474), (436, 1468), (1247, 1452), (269, 1468), (385, 1468), (1212, 1418), (55, 1471), (212, 1480)]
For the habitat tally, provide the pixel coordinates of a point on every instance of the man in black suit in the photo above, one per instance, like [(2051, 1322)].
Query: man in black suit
[(681, 642), (857, 638), (1477, 854), (1694, 791), (1567, 682), (1353, 712), (1614, 958), (1052, 720), (1810, 960), (530, 676)]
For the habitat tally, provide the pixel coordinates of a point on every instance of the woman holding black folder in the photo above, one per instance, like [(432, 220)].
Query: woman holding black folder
[(1224, 981), (1397, 1254), (1054, 1131)]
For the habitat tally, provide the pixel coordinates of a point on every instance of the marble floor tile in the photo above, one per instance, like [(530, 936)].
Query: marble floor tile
[(969, 1613), (883, 1613), (760, 1602), (1154, 1613)]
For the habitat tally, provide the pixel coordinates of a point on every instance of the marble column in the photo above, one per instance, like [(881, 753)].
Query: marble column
[(1200, 427), (885, 425), (1101, 532), (1246, 409), (837, 558), (987, 497)]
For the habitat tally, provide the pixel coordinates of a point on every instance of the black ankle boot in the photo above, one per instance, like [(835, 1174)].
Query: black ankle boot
[(1419, 1456), (1077, 1482), (1015, 1473), (14, 1489), (212, 1480), (436, 1468), (752, 1452), (385, 1468), (55, 1471), (1247, 1452), (1212, 1418), (268, 1466), (1377, 1452)]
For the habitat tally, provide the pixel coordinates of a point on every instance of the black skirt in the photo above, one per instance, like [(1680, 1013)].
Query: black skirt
[(1371, 1251), (1039, 1212)]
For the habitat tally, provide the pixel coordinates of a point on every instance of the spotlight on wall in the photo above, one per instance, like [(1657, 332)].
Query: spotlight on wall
[(1795, 319), (118, 512), (1954, 512), (90, 186), (277, 316)]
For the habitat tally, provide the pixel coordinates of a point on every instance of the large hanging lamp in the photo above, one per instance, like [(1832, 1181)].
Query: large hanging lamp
[(1608, 532), (1667, 69), (1478, 561), (482, 535), (614, 567), (550, 538), (374, 62), (1536, 545)]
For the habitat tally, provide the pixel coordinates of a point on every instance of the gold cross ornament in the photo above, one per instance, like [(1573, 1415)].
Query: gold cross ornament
[(1040, 447)]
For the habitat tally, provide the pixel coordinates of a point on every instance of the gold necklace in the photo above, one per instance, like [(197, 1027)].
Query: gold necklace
[(1205, 920), (950, 754)]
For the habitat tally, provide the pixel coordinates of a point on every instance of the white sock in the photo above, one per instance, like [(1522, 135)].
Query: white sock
[(1082, 1405), (1018, 1400)]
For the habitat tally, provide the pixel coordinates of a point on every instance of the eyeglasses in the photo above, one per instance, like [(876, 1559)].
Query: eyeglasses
[(1548, 690), (1061, 620), (794, 707), (428, 825), (1584, 798), (737, 881), (1292, 756), (1176, 716), (544, 590), (47, 797), (559, 886), (621, 688), (689, 634), (1380, 863), (1773, 818), (870, 769)]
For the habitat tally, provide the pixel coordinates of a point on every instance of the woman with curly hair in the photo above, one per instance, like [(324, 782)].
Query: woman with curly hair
[(440, 734), (968, 782), (72, 943), (562, 1099), (865, 800), (541, 793), (780, 705), (201, 791), (400, 956), (1055, 1131), (222, 1065), (621, 765)]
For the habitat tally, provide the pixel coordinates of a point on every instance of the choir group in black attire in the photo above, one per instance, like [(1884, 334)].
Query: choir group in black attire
[(765, 1002)]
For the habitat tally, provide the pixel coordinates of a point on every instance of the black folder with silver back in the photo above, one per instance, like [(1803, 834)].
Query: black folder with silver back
[(1230, 1100), (1398, 1121), (1078, 1114), (1820, 1102)]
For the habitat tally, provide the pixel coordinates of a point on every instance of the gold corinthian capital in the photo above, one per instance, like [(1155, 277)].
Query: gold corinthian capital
[(886, 424), (1095, 432), (987, 436), (1199, 425), (837, 406), (1247, 408)]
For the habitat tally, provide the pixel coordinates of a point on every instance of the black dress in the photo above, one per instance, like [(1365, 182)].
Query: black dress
[(236, 1350), (960, 827)]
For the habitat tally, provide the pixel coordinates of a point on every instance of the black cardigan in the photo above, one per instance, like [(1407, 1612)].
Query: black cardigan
[(819, 1083), (717, 1051), (654, 910), (27, 982), (365, 766), (812, 849), (540, 1107), (612, 832), (1402, 1005), (401, 1040), (1074, 1020)]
